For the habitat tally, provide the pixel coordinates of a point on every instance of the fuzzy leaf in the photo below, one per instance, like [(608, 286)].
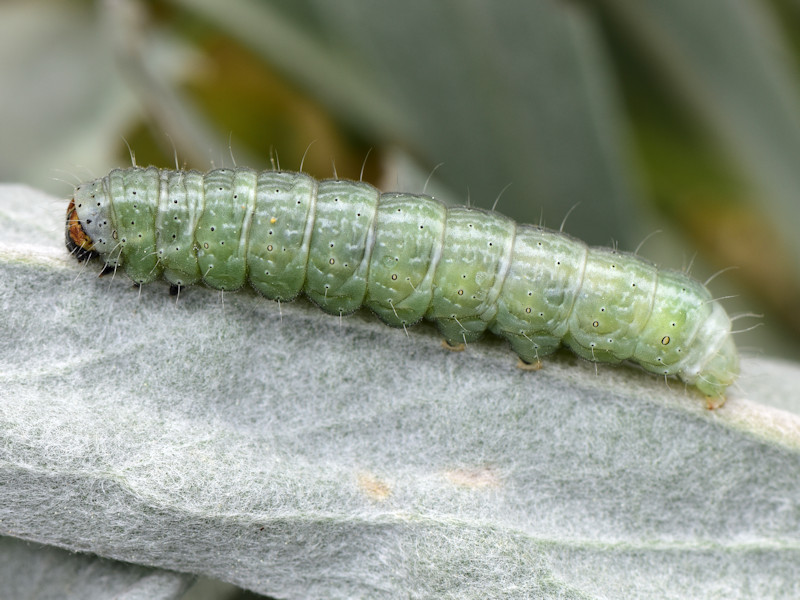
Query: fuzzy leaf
[(300, 455)]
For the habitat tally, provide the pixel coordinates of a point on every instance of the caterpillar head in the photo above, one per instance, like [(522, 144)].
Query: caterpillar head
[(88, 231), (79, 244)]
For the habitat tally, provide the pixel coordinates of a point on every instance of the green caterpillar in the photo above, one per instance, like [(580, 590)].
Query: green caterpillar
[(405, 256)]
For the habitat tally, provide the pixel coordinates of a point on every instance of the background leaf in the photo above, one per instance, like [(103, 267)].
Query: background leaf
[(649, 116)]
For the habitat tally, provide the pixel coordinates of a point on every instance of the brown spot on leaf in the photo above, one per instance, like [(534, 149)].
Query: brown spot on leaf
[(473, 477), (374, 487)]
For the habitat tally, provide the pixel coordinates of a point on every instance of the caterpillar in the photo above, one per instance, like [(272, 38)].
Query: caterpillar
[(406, 257)]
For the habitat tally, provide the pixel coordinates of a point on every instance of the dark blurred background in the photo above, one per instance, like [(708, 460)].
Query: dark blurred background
[(681, 117)]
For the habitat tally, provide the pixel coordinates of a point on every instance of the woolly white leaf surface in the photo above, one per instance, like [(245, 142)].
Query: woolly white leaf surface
[(300, 455)]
